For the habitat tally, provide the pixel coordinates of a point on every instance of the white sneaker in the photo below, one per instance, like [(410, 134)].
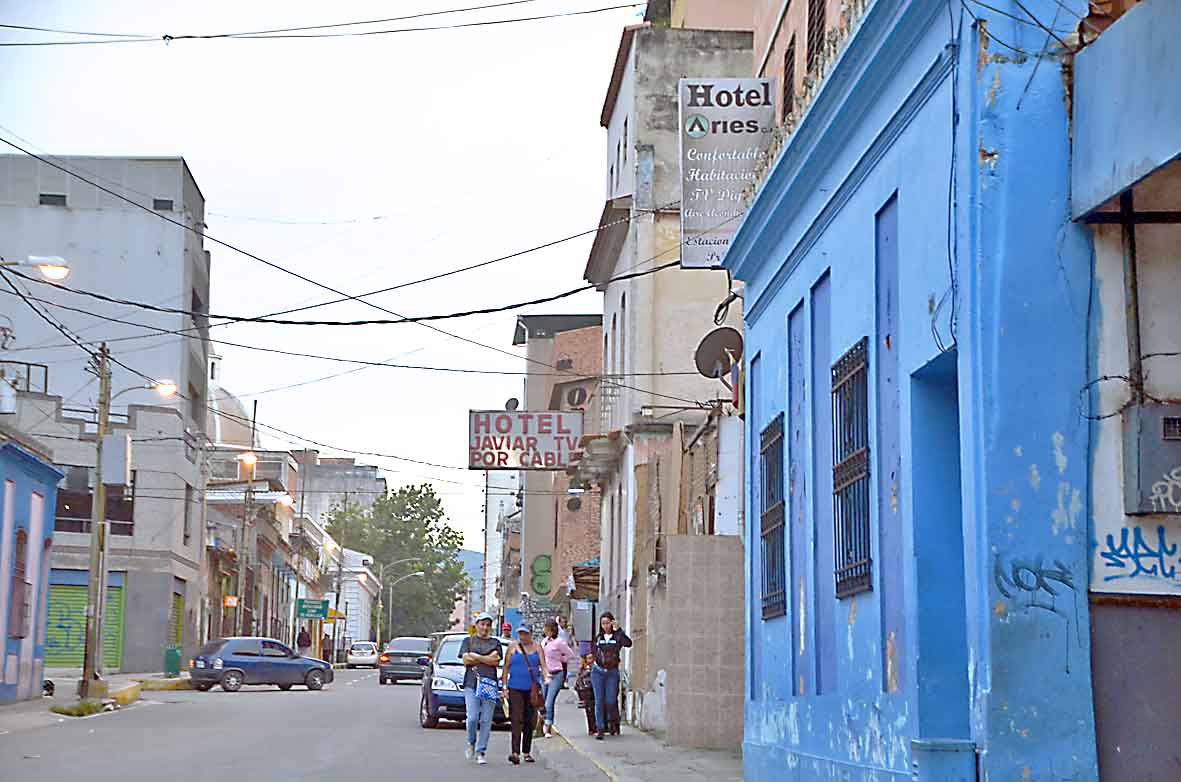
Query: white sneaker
[(481, 760), (470, 752)]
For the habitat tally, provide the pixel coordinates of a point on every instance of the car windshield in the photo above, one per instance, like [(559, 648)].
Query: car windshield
[(363, 647), (415, 645), (448, 653)]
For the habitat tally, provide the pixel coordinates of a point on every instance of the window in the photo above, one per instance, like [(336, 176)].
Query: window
[(52, 199), (243, 648), (850, 470), (162, 204), (623, 334), (75, 501), (274, 649), (625, 139), (771, 507), (187, 532), (815, 31), (789, 79), (223, 469), (19, 610)]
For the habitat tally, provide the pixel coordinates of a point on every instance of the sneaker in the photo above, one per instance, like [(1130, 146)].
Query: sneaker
[(470, 752), (481, 760)]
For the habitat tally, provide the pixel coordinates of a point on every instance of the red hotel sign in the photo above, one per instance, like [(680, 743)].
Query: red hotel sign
[(519, 440)]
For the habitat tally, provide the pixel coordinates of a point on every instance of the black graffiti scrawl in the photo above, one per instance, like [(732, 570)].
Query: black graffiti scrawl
[(1032, 583)]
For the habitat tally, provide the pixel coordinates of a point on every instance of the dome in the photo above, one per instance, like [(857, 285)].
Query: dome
[(229, 423)]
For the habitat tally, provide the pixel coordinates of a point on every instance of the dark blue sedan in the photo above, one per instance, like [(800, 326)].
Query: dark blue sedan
[(442, 686), (232, 662)]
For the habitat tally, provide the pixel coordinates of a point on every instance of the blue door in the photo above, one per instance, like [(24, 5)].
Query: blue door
[(243, 654), (280, 666)]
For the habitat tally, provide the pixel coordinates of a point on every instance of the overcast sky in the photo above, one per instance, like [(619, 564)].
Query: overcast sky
[(361, 163)]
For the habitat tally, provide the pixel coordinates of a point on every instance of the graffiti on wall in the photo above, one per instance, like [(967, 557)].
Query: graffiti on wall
[(1032, 583), (1166, 493), (1137, 555), (539, 574)]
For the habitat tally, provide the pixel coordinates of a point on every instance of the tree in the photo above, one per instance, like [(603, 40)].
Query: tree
[(408, 523)]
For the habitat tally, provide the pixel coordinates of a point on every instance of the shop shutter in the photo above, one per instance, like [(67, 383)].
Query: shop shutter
[(176, 620), (66, 633)]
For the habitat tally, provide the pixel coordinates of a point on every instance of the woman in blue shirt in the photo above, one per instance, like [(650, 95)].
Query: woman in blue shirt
[(524, 669)]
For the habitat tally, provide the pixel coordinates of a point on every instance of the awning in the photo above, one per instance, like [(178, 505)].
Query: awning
[(1126, 106)]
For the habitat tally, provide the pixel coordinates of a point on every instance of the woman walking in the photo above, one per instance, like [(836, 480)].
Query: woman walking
[(557, 654), (524, 679), (607, 647)]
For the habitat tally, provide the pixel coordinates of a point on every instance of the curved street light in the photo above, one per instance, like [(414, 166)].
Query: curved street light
[(416, 574), (52, 267)]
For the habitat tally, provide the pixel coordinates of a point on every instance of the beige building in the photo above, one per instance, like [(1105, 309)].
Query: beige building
[(671, 562)]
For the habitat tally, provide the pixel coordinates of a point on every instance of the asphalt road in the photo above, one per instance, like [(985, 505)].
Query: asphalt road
[(354, 728)]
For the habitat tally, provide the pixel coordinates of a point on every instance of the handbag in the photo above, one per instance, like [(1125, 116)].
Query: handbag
[(536, 696), (487, 689)]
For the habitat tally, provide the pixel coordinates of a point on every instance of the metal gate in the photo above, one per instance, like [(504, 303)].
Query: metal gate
[(66, 632)]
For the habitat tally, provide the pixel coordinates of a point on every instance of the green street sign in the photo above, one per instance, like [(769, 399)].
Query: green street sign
[(311, 609)]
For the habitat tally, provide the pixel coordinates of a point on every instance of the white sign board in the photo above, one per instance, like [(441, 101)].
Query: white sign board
[(521, 440), (726, 126)]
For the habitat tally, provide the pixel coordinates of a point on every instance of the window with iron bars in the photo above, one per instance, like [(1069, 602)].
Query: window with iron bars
[(815, 31), (789, 79), (850, 471), (774, 550)]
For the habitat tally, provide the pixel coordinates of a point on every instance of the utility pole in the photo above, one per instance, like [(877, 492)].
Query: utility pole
[(247, 513), (96, 586), (339, 578)]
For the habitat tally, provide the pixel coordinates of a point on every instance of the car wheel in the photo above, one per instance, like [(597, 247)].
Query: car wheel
[(203, 686), (284, 687), (231, 681), (315, 680), (425, 718)]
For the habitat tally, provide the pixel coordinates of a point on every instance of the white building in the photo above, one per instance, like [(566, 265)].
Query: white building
[(500, 501), (123, 251), (359, 591)]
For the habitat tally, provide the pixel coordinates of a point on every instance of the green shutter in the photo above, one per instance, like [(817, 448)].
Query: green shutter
[(176, 620), (67, 627)]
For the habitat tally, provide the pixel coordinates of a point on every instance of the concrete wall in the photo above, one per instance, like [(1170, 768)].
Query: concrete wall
[(815, 252), (711, 15)]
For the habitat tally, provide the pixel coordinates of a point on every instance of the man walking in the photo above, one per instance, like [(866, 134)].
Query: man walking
[(303, 642), (481, 656)]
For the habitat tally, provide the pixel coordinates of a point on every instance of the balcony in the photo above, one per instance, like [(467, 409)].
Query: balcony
[(30, 378)]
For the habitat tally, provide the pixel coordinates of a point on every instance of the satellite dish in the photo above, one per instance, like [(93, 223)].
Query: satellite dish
[(574, 503), (512, 404), (718, 351)]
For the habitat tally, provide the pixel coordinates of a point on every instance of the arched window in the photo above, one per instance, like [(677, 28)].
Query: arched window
[(18, 609)]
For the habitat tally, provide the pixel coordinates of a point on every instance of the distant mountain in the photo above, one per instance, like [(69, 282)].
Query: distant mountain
[(473, 564)]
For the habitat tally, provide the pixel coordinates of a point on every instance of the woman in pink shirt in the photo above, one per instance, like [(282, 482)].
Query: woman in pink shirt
[(557, 654)]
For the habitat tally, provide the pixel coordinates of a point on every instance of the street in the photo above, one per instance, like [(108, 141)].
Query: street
[(353, 728)]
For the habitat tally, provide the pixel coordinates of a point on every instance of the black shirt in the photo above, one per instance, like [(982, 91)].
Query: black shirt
[(478, 645), (608, 648)]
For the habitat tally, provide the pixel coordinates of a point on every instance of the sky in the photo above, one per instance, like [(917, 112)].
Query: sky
[(359, 162)]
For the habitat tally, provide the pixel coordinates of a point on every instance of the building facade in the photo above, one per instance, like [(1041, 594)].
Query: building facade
[(28, 482), (113, 248), (934, 339), (328, 483), (500, 500)]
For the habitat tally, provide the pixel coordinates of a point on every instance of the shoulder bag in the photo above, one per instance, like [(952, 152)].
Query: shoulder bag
[(536, 696)]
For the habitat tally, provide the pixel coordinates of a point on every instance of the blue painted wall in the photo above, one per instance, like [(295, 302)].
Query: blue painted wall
[(23, 474), (974, 451)]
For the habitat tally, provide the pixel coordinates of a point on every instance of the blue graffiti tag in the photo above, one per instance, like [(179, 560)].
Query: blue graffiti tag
[(1143, 560)]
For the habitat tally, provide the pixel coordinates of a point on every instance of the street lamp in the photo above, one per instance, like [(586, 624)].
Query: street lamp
[(52, 267), (165, 388), (397, 581)]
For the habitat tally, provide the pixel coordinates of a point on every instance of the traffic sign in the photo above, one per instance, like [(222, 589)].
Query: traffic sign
[(311, 609)]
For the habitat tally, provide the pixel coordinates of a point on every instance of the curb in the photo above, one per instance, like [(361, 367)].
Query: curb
[(165, 685), (609, 773), (125, 696)]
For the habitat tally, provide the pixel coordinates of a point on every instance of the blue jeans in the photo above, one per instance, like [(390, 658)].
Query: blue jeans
[(551, 695), (479, 713), (605, 682)]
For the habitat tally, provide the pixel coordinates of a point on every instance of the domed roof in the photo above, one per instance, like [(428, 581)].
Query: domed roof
[(229, 424)]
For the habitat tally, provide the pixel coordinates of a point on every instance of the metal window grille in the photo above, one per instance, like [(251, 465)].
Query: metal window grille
[(815, 31), (789, 79), (1172, 427), (774, 550), (18, 608), (850, 471), (52, 199)]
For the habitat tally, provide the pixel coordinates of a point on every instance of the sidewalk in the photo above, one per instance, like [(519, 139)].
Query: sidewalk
[(635, 756), (124, 687)]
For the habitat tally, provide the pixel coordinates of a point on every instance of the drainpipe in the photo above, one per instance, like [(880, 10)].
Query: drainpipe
[(1132, 297)]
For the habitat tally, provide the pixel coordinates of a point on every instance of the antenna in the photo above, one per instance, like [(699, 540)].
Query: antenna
[(718, 352)]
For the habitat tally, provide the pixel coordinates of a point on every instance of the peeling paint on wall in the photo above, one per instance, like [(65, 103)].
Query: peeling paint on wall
[(1035, 478), (1059, 454), (1066, 515)]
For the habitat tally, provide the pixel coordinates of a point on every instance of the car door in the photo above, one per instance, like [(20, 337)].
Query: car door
[(279, 665), (245, 656)]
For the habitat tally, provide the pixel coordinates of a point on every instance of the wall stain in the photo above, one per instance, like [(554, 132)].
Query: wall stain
[(891, 663), (1035, 477), (1059, 454)]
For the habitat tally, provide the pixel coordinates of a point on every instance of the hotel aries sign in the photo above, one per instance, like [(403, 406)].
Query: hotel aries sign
[(518, 440), (726, 126)]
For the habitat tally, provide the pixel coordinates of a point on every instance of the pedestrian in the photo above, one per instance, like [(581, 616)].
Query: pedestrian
[(326, 648), (586, 692), (565, 631), (303, 642), (607, 648), (481, 656), (557, 654), (524, 679)]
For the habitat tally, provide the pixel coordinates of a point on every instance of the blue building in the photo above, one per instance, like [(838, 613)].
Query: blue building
[(28, 497), (922, 310)]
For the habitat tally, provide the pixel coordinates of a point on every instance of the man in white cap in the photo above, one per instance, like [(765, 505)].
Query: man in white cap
[(481, 654)]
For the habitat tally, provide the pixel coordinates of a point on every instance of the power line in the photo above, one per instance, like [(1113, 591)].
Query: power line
[(169, 38), (73, 32)]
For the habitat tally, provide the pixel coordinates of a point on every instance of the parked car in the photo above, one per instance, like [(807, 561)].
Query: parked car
[(233, 662), (361, 653), (442, 684), (404, 658)]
